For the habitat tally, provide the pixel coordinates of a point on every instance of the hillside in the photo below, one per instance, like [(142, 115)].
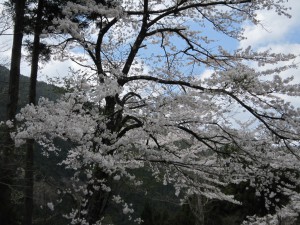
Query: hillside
[(43, 90)]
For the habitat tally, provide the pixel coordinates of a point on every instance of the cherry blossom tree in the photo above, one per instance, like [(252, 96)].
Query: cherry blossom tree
[(140, 96), (4, 28)]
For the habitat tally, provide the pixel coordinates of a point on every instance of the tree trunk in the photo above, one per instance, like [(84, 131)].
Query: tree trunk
[(197, 207), (29, 169), (99, 200), (14, 76), (8, 166)]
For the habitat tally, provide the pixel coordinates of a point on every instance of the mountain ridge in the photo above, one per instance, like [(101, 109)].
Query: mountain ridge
[(43, 89)]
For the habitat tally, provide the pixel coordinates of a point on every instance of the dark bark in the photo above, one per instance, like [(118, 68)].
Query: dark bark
[(14, 76), (28, 191), (139, 40), (7, 173), (98, 202), (7, 156), (29, 166)]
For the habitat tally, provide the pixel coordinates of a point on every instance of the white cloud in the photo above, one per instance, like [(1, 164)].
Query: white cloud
[(286, 48), (293, 48), (280, 34), (206, 74), (57, 69), (273, 28)]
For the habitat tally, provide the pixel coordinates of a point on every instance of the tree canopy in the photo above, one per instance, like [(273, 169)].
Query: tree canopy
[(140, 93)]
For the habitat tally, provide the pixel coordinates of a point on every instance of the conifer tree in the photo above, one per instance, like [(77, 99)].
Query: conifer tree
[(7, 154)]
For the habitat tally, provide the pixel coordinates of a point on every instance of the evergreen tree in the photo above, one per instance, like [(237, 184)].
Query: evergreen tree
[(8, 215), (29, 158)]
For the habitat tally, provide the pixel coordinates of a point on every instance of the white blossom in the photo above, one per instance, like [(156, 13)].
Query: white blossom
[(139, 103), (50, 206)]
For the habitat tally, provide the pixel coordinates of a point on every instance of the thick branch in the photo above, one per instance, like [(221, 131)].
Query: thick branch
[(101, 34), (129, 127), (177, 9), (124, 80), (140, 38)]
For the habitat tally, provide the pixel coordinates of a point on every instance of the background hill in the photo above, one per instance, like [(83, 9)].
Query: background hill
[(43, 90)]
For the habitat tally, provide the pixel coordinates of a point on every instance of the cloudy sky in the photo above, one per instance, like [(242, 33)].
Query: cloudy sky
[(275, 30), (279, 33)]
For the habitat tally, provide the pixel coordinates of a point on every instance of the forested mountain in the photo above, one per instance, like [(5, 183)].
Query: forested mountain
[(48, 174), (43, 90)]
